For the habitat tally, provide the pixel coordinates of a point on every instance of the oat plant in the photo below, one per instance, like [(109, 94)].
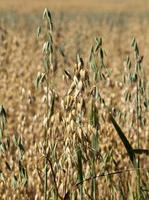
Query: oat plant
[(135, 96), (43, 80)]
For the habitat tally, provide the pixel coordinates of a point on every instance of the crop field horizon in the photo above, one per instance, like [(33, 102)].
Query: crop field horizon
[(78, 5), (74, 100)]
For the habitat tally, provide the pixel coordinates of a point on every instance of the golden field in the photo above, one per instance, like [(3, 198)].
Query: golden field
[(62, 136), (91, 5)]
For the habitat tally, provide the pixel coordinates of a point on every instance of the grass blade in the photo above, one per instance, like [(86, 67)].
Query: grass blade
[(123, 138), (141, 151)]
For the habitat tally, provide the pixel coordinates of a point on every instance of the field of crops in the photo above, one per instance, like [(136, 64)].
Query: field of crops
[(74, 100)]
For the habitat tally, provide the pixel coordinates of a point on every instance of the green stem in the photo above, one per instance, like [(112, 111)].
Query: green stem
[(46, 139), (138, 137)]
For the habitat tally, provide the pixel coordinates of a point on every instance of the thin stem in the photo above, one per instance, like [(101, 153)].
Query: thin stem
[(46, 138), (54, 180), (138, 142), (138, 126)]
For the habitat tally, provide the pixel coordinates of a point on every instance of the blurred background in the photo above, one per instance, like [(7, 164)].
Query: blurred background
[(79, 5)]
